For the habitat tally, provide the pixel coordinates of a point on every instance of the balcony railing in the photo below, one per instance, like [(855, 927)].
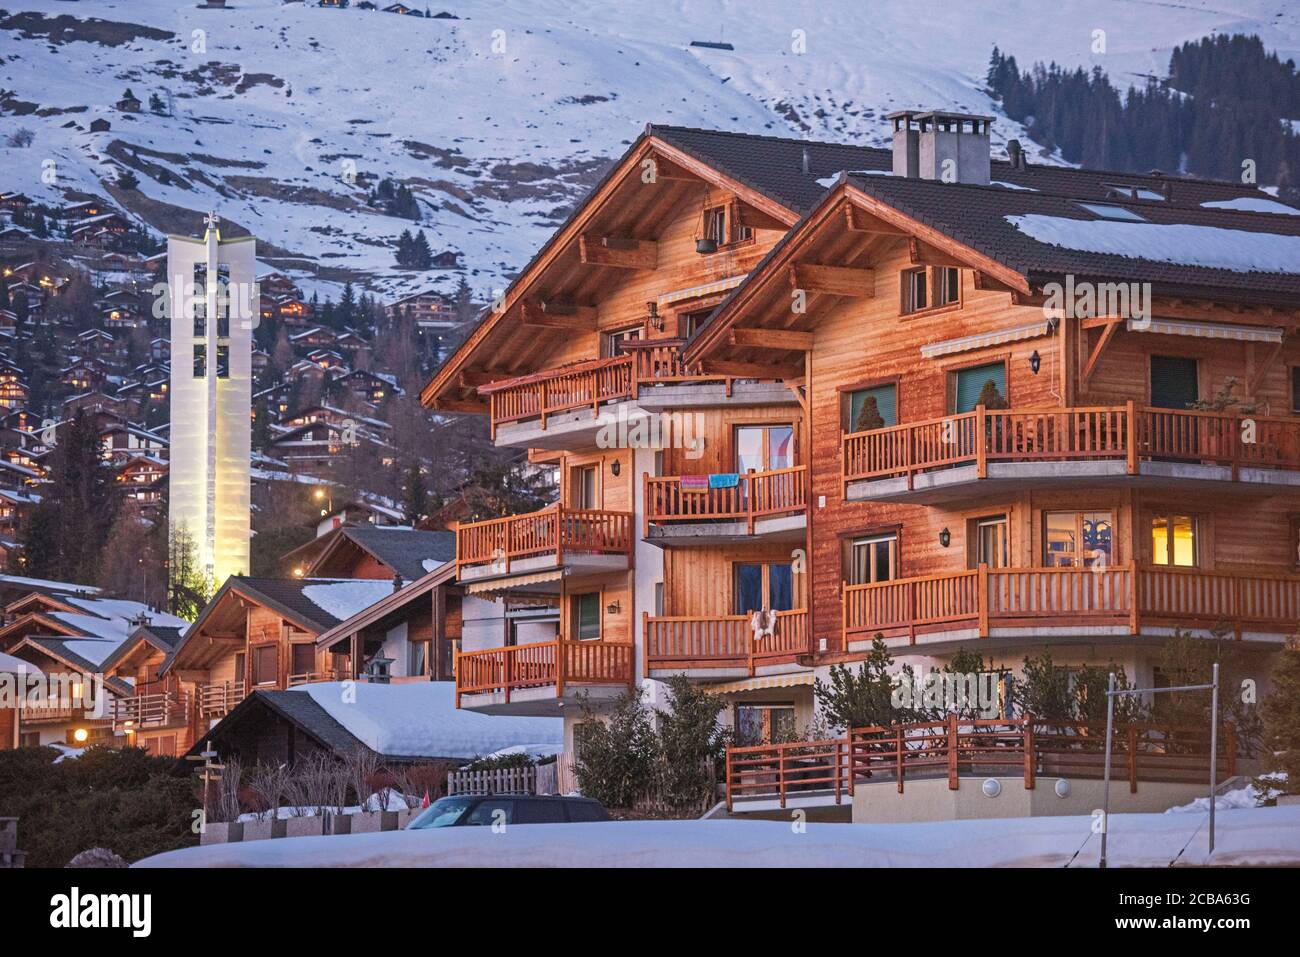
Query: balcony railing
[(558, 663), (755, 495), (44, 711), (589, 383), (553, 530), (1115, 594), (723, 641), (1124, 433), (947, 748), (307, 677), (217, 698), (157, 708)]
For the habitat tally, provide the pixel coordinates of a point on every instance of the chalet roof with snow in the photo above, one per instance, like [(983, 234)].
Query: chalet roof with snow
[(409, 552)]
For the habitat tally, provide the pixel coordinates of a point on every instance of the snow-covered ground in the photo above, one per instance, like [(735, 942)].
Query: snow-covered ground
[(1259, 836), (501, 119)]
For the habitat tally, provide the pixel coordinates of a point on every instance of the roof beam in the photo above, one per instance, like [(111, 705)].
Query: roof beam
[(532, 314), (834, 280), (665, 168), (741, 370), (1107, 334), (620, 252), (787, 339), (860, 221), (558, 307), (747, 215), (473, 378), (458, 405)]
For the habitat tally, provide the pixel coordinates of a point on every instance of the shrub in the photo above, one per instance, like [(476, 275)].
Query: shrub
[(617, 759)]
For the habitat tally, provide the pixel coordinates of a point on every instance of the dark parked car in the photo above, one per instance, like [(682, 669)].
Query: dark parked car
[(464, 810)]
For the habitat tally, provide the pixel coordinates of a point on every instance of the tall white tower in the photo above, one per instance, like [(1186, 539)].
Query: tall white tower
[(214, 306)]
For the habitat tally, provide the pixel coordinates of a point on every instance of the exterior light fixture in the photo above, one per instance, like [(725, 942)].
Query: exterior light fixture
[(80, 735), (945, 537), (991, 787), (1035, 362), (612, 608), (615, 467)]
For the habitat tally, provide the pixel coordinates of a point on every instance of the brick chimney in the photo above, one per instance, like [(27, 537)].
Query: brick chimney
[(949, 147)]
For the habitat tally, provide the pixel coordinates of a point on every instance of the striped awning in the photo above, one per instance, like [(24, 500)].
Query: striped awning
[(984, 339), (1205, 330), (795, 679), (517, 583), (697, 292)]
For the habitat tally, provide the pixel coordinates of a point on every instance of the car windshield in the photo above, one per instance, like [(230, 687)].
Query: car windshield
[(443, 812)]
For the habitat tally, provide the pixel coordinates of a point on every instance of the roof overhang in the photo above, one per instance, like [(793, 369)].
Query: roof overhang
[(442, 575)]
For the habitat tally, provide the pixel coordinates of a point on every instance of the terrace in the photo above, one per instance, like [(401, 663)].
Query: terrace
[(760, 506), (723, 646), (551, 541), (542, 677), (942, 460)]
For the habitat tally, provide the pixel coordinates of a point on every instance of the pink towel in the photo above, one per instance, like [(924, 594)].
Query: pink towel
[(695, 483)]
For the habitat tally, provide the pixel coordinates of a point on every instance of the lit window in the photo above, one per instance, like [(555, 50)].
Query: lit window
[(1173, 540)]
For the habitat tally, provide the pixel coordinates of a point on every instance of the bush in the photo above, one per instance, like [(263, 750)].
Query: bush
[(121, 800), (690, 745), (617, 760), (862, 698)]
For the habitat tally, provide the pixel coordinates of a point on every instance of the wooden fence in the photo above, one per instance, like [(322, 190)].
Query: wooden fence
[(755, 495), (554, 529)]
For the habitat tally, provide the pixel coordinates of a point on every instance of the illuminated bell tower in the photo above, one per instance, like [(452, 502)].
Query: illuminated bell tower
[(214, 305)]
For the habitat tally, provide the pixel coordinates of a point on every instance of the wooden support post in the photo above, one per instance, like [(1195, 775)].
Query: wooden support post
[(982, 597), (729, 804), (780, 773), (1134, 619), (952, 752), (507, 671), (1132, 760), (561, 665), (1131, 428), (1030, 757), (898, 758), (981, 453)]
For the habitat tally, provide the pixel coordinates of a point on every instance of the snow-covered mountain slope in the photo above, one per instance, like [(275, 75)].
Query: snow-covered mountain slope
[(498, 120)]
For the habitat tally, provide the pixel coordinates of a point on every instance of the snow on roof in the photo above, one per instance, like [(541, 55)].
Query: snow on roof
[(1255, 836), (47, 583), (1252, 204), (347, 597), (421, 718), (1210, 247)]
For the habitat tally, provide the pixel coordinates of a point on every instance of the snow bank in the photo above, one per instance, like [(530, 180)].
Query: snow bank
[(343, 599), (421, 719), (1211, 247), (1261, 836)]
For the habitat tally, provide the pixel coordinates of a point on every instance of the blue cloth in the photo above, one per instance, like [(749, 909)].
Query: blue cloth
[(724, 480)]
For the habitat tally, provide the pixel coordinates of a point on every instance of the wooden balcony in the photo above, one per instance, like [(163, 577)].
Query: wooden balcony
[(155, 709), (215, 699), (769, 506), (586, 541), (941, 458), (536, 678), (811, 773), (42, 712), (722, 646), (542, 395), (310, 677), (1117, 599)]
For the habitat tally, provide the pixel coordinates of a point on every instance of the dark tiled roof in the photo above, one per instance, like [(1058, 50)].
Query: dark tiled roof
[(58, 648), (171, 637), (297, 708), (976, 216), (287, 594), (404, 549)]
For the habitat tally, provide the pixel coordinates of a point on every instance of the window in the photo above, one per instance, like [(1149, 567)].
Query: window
[(1107, 211), (915, 290), (582, 487), (200, 362), (990, 542), (266, 670), (223, 362), (1078, 539), (302, 658), (762, 585), (492, 811), (1173, 382), (715, 224), (1295, 390), (763, 448), (240, 659), (874, 408), (873, 559), (612, 342), (415, 657), (947, 286), (764, 723), (659, 599), (688, 323), (986, 384), (586, 616), (1173, 540)]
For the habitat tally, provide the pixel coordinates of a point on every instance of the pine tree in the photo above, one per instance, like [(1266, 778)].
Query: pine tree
[(1281, 718), (862, 698), (421, 255), (415, 499)]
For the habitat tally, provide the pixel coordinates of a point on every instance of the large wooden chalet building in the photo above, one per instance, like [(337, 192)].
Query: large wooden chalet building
[(905, 431)]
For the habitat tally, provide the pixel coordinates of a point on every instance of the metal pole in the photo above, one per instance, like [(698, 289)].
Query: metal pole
[(1105, 791), (1214, 748)]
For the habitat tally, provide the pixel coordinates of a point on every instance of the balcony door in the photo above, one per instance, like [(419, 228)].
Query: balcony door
[(1174, 382), (990, 542), (764, 448), (762, 585), (583, 491)]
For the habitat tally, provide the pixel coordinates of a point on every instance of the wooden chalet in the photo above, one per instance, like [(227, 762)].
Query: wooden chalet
[(907, 429)]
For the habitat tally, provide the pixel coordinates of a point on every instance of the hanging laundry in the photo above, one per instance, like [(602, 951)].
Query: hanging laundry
[(694, 483), (724, 480)]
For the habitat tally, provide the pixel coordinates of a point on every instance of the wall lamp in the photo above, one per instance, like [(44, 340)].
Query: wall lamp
[(945, 537), (1035, 362)]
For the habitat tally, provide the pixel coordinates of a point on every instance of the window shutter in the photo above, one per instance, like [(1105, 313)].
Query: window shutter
[(886, 397), (1173, 382), (970, 383)]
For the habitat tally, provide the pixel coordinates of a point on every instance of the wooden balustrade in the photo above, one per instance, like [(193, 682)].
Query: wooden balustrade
[(755, 495), (217, 698), (948, 747), (158, 708), (555, 529), (690, 642), (1113, 594), (543, 663), (309, 677), (1126, 433)]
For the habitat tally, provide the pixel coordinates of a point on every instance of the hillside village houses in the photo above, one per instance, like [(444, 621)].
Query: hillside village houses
[(907, 432)]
